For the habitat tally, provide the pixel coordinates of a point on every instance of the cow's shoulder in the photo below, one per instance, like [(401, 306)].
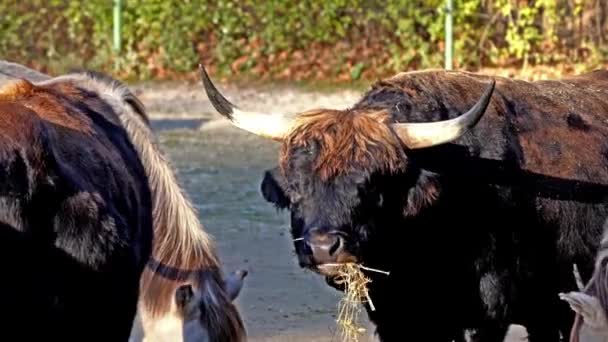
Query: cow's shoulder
[(56, 105)]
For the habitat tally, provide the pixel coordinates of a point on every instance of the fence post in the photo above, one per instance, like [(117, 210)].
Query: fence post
[(117, 25), (449, 39)]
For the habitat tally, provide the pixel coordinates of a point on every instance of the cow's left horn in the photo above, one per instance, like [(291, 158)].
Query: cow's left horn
[(273, 126), (427, 134)]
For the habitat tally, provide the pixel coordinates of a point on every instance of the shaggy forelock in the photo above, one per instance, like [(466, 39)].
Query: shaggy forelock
[(348, 141), (330, 155)]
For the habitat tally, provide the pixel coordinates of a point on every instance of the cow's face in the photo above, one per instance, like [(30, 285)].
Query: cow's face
[(347, 182)]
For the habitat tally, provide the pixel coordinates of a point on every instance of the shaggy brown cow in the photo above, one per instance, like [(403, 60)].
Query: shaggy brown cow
[(476, 193), (87, 200)]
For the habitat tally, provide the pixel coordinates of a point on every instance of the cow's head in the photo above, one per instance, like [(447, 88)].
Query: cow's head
[(187, 320), (191, 304), (345, 175)]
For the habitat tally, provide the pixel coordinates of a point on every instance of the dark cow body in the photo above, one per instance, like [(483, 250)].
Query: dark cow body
[(75, 208), (478, 233)]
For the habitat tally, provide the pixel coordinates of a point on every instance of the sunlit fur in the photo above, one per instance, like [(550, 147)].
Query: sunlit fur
[(347, 141)]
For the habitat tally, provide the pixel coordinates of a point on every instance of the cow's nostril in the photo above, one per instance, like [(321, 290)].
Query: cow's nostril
[(337, 244), (325, 247), (323, 241)]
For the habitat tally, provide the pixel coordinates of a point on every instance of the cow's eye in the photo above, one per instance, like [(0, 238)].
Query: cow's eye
[(312, 148), (183, 295), (380, 200), (308, 149), (295, 197)]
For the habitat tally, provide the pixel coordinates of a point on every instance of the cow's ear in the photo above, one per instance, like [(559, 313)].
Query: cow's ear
[(273, 188), (234, 283), (423, 194)]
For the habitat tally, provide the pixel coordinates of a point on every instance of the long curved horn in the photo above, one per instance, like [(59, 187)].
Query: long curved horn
[(273, 126), (427, 134)]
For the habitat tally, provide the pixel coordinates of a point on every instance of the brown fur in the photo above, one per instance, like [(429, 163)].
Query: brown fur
[(16, 90), (551, 119), (348, 140), (422, 196), (568, 158), (46, 104), (15, 123)]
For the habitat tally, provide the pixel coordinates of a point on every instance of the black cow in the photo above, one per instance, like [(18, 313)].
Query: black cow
[(478, 219), (87, 201)]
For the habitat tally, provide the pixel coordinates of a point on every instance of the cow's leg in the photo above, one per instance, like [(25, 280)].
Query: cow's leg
[(95, 305), (101, 310), (53, 295)]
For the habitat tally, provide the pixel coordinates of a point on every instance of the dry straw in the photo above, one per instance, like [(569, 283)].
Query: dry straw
[(354, 281)]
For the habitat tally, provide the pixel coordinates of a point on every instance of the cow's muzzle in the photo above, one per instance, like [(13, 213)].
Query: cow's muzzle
[(327, 248)]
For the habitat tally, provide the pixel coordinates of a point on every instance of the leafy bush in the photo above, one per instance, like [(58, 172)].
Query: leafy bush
[(309, 39)]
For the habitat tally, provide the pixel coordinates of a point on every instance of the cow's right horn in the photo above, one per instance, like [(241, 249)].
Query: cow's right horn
[(273, 126)]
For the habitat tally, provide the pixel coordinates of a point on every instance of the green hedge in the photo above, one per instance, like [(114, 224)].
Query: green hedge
[(331, 39)]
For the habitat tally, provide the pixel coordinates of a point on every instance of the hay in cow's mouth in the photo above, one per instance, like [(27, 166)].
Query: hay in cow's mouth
[(354, 281)]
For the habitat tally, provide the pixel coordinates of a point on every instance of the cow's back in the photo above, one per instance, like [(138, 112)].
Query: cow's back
[(556, 128)]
